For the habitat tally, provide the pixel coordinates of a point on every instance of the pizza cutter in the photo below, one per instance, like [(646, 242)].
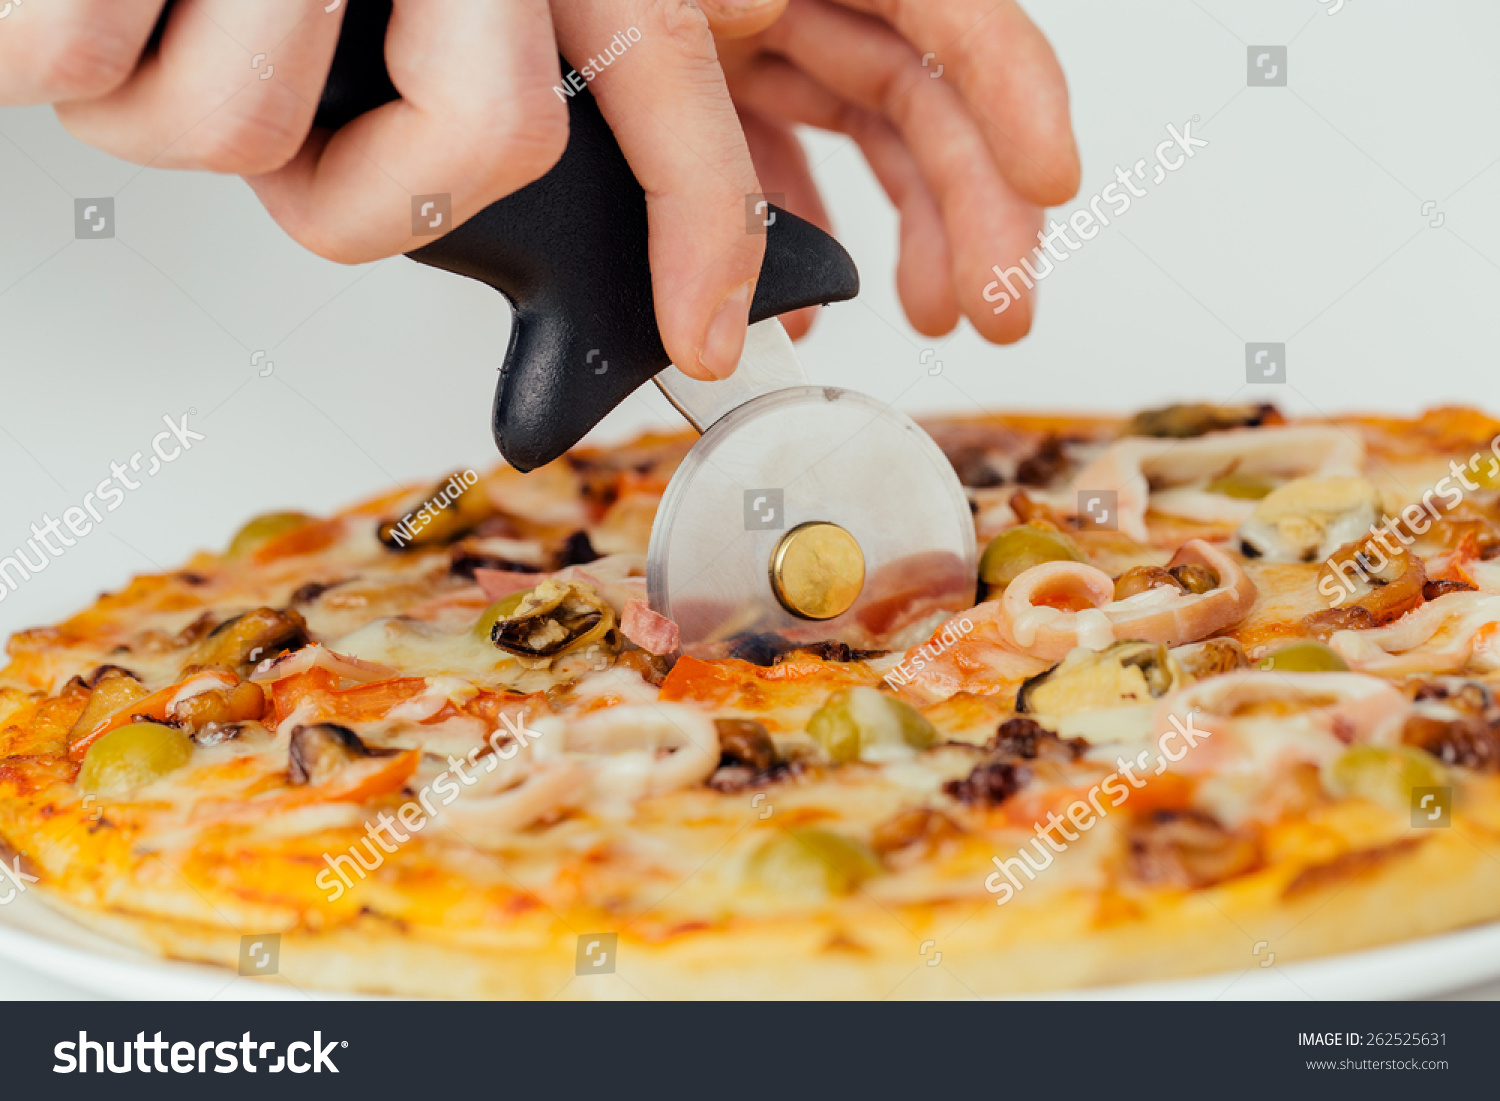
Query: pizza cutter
[(804, 512)]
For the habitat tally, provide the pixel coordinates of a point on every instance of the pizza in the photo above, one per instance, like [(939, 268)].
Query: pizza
[(1227, 688)]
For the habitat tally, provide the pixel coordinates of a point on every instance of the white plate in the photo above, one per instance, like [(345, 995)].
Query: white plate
[(44, 941), (37, 938)]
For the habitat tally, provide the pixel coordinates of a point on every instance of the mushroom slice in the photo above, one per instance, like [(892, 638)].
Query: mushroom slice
[(1385, 586), (447, 512), (1123, 673), (319, 752), (555, 616), (1134, 468), (245, 641), (1310, 518), (1051, 608)]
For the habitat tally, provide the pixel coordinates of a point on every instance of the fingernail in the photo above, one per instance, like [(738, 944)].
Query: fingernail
[(725, 339)]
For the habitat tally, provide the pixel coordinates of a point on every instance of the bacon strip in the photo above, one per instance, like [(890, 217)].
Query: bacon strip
[(653, 633), (498, 584)]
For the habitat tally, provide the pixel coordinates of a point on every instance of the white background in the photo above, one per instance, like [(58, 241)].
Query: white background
[(1300, 222)]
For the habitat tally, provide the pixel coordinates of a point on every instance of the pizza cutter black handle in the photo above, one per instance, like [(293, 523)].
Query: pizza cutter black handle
[(570, 253)]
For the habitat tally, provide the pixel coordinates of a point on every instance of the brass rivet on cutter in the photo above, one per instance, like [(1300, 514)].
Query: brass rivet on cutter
[(817, 570)]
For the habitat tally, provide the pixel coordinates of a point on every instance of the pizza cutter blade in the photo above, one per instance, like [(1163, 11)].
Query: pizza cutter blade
[(809, 513)]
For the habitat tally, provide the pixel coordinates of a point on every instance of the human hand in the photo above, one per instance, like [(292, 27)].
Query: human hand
[(234, 85), (959, 106)]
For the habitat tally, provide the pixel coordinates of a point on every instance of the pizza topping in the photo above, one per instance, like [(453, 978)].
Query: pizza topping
[(132, 756), (1054, 607), (342, 666), (1369, 586), (812, 862), (1240, 487), (1122, 673), (1458, 722), (1442, 635), (1383, 774), (1013, 552), (748, 757), (245, 641), (261, 530), (1138, 469), (868, 724), (153, 707), (576, 550), (827, 650), (1303, 657), (912, 836), (656, 634), (1140, 579), (1009, 762), (635, 750), (1188, 849), (1209, 658), (1442, 587), (448, 511), (317, 753), (1259, 717), (215, 704), (1186, 420), (554, 617), (1310, 518), (745, 743), (112, 693)]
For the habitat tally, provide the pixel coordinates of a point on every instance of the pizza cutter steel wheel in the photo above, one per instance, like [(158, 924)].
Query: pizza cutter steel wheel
[(864, 528), (810, 512)]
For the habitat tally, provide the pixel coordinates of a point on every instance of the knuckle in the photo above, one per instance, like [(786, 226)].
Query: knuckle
[(683, 24), (84, 62), (258, 134), (530, 137)]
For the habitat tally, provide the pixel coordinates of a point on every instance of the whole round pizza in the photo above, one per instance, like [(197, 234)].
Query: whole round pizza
[(1227, 684)]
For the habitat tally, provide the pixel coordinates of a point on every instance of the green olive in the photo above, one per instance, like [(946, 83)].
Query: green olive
[(1486, 472), (133, 756), (855, 721), (812, 861), (1385, 776), (1303, 657), (261, 530), (505, 606), (1013, 552), (1243, 487)]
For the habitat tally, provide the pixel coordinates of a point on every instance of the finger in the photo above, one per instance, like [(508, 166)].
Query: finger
[(232, 88), (781, 165), (64, 50), (987, 221), (984, 221), (477, 119), (741, 18), (924, 270), (1010, 78), (666, 101)]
